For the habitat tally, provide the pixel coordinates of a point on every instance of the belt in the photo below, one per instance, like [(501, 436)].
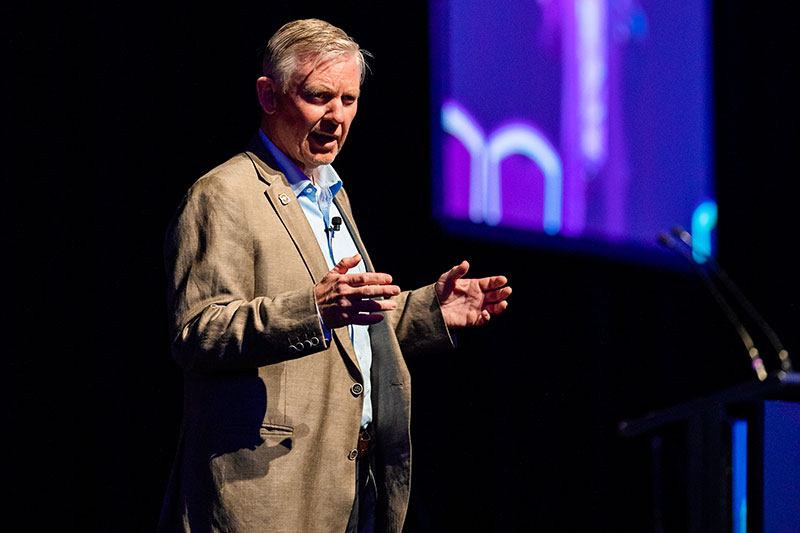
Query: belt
[(364, 439)]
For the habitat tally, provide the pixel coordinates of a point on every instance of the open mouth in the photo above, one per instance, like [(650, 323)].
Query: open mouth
[(322, 139)]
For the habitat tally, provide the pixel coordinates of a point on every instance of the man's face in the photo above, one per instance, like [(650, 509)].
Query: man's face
[(309, 123)]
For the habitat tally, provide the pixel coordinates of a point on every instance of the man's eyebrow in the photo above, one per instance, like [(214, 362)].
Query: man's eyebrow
[(327, 89), (317, 88)]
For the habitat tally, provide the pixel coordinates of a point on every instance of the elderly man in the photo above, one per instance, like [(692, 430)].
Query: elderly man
[(297, 397)]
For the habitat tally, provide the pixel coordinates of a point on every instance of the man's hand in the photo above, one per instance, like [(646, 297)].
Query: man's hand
[(470, 302), (344, 298)]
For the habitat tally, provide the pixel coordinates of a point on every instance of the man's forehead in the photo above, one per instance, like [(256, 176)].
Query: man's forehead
[(313, 71)]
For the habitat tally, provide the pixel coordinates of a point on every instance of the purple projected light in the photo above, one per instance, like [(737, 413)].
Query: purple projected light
[(580, 118), (486, 156)]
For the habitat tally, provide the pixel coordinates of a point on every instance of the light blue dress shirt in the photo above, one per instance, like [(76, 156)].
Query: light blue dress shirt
[(319, 208)]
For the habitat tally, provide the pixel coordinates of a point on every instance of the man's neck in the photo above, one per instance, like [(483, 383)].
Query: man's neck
[(312, 174), (309, 173)]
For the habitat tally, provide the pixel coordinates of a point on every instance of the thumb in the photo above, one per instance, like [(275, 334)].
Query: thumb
[(458, 271), (347, 263), (454, 273)]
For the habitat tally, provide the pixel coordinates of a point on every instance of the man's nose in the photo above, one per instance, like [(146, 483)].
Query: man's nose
[(335, 110)]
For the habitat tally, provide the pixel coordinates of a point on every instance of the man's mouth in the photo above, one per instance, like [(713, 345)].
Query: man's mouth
[(322, 139)]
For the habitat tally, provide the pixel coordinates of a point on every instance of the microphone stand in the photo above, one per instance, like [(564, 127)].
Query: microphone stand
[(783, 354), (755, 358)]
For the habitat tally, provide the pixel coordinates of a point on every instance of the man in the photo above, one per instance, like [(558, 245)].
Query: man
[(297, 397)]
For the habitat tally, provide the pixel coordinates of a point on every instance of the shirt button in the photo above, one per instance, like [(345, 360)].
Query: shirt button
[(357, 389), (353, 455)]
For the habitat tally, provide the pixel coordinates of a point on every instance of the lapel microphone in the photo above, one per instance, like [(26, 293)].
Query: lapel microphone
[(336, 225)]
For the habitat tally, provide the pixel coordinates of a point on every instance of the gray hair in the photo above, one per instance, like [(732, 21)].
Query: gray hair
[(301, 41)]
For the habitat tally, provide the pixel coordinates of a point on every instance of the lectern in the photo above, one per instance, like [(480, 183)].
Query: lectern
[(729, 462)]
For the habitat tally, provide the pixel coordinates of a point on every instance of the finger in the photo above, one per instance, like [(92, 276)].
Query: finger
[(372, 306), (367, 278), (354, 302), (496, 308), (497, 295), (492, 282), (359, 319), (374, 291), (347, 263)]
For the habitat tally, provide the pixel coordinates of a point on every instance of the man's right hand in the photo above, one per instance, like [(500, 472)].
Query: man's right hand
[(344, 298)]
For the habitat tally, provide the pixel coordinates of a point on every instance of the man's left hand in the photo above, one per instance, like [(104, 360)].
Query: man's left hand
[(470, 302)]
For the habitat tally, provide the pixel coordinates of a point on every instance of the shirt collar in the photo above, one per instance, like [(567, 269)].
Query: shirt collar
[(324, 175)]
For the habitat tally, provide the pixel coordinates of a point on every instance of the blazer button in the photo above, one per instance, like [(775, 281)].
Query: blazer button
[(353, 455), (357, 389)]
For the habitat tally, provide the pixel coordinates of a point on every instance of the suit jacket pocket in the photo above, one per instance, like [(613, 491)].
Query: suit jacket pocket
[(233, 437), (247, 452)]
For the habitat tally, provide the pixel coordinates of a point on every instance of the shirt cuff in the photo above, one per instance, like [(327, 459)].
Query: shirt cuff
[(325, 330)]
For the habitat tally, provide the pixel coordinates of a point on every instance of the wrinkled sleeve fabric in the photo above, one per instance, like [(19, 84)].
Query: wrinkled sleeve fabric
[(419, 324), (218, 322)]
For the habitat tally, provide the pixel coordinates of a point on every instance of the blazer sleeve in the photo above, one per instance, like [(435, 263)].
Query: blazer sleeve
[(217, 320), (418, 323)]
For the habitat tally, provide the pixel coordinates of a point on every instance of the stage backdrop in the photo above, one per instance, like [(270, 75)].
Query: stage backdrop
[(116, 110), (588, 119)]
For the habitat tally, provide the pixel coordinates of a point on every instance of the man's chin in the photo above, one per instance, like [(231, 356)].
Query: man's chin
[(325, 158)]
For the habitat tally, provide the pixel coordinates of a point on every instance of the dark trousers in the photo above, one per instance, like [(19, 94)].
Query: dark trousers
[(362, 517)]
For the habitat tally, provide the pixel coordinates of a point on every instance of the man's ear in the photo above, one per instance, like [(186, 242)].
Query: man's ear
[(267, 94)]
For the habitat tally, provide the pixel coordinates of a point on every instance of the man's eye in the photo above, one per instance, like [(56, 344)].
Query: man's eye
[(317, 96)]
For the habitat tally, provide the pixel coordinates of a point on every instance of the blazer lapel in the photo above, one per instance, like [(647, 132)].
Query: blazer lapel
[(284, 202), (381, 330), (344, 209)]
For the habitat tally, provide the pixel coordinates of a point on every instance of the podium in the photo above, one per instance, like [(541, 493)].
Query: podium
[(729, 462)]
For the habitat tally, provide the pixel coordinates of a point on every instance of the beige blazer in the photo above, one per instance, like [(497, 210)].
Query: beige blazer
[(270, 412)]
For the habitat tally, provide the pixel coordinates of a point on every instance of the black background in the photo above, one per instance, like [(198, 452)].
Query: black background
[(113, 110)]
